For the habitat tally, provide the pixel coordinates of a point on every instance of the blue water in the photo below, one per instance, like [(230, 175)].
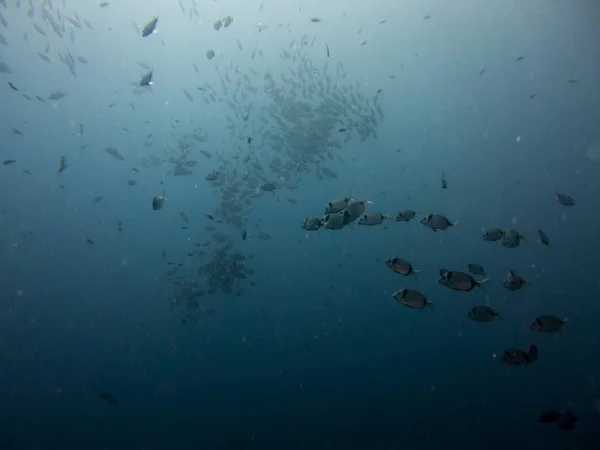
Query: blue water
[(311, 351)]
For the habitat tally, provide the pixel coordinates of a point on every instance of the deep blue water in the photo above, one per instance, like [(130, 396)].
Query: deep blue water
[(310, 351)]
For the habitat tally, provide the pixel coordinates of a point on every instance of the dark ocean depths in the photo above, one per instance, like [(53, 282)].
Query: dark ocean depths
[(157, 288)]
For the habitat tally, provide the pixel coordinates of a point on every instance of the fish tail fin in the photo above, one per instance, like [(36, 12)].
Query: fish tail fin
[(499, 315), (455, 223), (387, 216), (366, 201), (417, 270), (429, 304), (565, 320)]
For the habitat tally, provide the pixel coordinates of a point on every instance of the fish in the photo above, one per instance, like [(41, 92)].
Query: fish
[(57, 95), (460, 281), (16, 132), (548, 416), (13, 87), (547, 324), (114, 153), (333, 221), (268, 187), (401, 266), (338, 204), (80, 129), (516, 356), (311, 223), (444, 182), (373, 218), (210, 54), (103, 4), (437, 222), (131, 182), (227, 20), (217, 25), (564, 199), (567, 421), (572, 81), (8, 162), (97, 199), (513, 281), (543, 237), (411, 298), (327, 48), (482, 71), (520, 58), (146, 79), (249, 140), (62, 164), (185, 217), (315, 20), (158, 202), (405, 216), (188, 95), (89, 241), (492, 234), (150, 27), (355, 210), (512, 238), (477, 269), (483, 313)]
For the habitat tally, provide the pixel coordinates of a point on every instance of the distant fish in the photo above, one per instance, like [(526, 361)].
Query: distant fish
[(185, 217), (57, 95), (519, 58), (327, 47), (89, 241), (13, 87), (109, 398), (543, 237), (62, 164), (114, 153), (315, 20), (150, 27)]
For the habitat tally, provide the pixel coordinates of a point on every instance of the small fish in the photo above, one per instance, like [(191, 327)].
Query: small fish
[(158, 202), (149, 28), (444, 182), (532, 96), (80, 129), (217, 25), (89, 241), (333, 221), (547, 324), (327, 47), (437, 222), (103, 4), (427, 17), (459, 281), (146, 79), (114, 153), (564, 199), (13, 87), (97, 199), (572, 81), (483, 313), (543, 237), (519, 58), (185, 217), (492, 234), (62, 164), (482, 71), (548, 416), (405, 216), (57, 95), (131, 182), (373, 218), (411, 298), (477, 269), (249, 140), (341, 130), (210, 54), (311, 223), (211, 217), (513, 281), (227, 20), (354, 210), (244, 234), (567, 420), (268, 187), (16, 132), (512, 238), (315, 20), (8, 162), (516, 356), (401, 266)]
